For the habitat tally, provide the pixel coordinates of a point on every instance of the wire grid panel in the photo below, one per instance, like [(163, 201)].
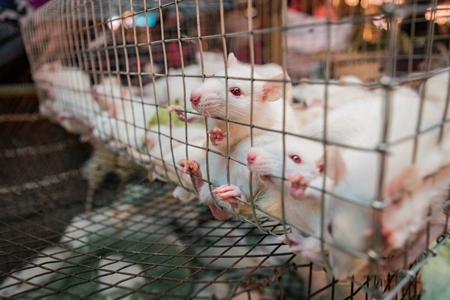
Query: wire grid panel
[(107, 71)]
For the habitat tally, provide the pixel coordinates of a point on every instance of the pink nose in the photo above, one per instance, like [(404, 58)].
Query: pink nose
[(94, 89), (195, 99), (251, 157)]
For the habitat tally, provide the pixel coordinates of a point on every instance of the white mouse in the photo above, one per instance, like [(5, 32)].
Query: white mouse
[(233, 99), (355, 173), (266, 163), (68, 97)]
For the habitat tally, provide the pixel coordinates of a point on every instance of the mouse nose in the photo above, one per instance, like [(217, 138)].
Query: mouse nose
[(251, 157), (195, 99), (94, 89)]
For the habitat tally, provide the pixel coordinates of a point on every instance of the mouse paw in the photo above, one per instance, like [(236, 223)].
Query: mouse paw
[(307, 247), (298, 186), (63, 116), (216, 136), (218, 213), (230, 193), (192, 167), (87, 137), (116, 145), (183, 116)]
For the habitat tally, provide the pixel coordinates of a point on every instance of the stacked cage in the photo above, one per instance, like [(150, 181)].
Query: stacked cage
[(238, 150)]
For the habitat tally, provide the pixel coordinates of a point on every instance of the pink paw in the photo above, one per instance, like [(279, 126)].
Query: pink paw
[(298, 186), (218, 214), (179, 110), (229, 193), (192, 167), (306, 247), (216, 136), (63, 116)]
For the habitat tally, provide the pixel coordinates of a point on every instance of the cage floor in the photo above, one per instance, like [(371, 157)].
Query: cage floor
[(159, 248)]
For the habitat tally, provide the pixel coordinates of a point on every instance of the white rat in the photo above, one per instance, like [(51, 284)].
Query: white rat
[(212, 99), (69, 97), (355, 172), (128, 116), (266, 162), (309, 98), (347, 89)]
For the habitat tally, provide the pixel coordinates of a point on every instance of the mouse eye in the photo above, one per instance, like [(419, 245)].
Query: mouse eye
[(236, 91), (330, 229), (295, 158)]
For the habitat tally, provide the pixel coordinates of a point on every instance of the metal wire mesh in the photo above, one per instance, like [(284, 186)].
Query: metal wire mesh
[(107, 70)]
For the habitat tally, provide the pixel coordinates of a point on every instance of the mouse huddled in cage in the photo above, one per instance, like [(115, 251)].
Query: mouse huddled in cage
[(244, 139)]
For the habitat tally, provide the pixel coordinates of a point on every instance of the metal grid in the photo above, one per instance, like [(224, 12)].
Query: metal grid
[(387, 46)]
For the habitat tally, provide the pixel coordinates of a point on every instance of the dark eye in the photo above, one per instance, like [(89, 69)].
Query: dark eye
[(236, 91), (295, 158), (330, 229)]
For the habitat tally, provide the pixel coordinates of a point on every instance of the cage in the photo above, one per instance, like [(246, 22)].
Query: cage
[(228, 149)]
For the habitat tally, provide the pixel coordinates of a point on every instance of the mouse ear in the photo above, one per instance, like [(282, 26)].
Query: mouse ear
[(407, 180), (336, 168), (273, 90), (231, 60)]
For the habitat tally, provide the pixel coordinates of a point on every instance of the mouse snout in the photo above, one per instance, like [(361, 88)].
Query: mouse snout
[(252, 155), (94, 89), (195, 98)]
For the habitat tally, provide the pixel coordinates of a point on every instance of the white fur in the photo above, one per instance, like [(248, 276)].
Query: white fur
[(128, 116), (312, 96), (239, 175), (351, 224), (68, 91), (37, 272), (436, 89), (174, 90), (268, 167), (218, 102)]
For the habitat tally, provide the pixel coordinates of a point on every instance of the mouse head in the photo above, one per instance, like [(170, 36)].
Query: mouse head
[(301, 158), (213, 96)]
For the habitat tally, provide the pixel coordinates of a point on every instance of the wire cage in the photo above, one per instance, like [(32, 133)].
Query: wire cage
[(230, 149)]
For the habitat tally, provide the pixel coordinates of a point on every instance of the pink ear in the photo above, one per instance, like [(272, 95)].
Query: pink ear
[(231, 60), (407, 180), (273, 90), (336, 168), (319, 164)]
